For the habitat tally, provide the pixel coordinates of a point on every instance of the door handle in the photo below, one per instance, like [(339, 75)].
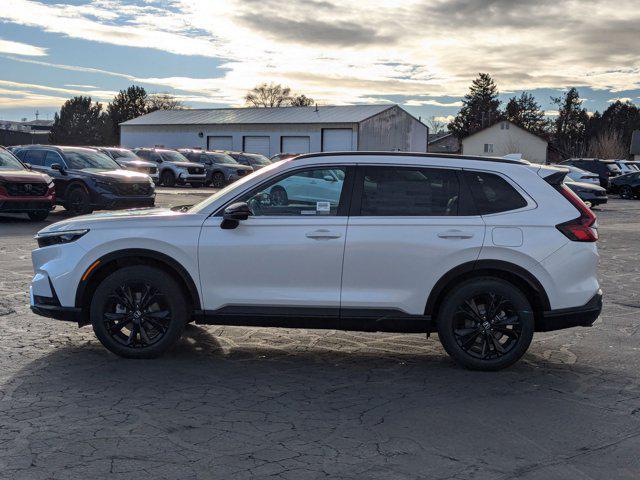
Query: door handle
[(455, 234), (322, 234)]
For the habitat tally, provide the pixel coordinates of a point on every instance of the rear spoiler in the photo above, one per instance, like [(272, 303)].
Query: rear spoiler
[(552, 175)]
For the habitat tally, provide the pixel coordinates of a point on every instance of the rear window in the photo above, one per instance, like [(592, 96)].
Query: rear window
[(492, 193), (406, 191), (612, 167)]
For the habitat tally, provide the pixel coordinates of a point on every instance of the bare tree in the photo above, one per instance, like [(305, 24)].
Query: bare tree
[(301, 101), (268, 95), (163, 101), (435, 125), (609, 144)]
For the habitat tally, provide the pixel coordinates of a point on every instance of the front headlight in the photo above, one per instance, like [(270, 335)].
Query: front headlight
[(106, 184), (58, 238)]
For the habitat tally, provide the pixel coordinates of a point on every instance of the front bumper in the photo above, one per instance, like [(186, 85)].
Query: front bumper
[(192, 178), (50, 307), (583, 316), (26, 204)]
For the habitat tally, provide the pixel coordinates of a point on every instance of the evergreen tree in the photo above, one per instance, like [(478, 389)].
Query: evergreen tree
[(525, 112), (80, 122), (126, 105), (480, 108), (570, 126)]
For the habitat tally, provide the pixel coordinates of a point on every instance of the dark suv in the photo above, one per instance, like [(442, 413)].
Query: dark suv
[(130, 161), (24, 191), (605, 169), (88, 180), (221, 168)]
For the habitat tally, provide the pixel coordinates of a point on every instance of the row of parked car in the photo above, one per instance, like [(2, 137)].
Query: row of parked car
[(37, 177)]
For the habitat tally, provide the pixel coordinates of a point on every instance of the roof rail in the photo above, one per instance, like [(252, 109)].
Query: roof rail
[(414, 154)]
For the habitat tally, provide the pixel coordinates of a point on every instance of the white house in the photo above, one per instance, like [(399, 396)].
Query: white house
[(280, 130), (503, 138)]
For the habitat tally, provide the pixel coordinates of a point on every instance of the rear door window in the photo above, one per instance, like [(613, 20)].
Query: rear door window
[(409, 192), (492, 193), (52, 157)]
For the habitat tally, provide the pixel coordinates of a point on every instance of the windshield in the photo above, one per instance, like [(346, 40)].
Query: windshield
[(198, 207), (255, 159), (118, 153), (221, 158), (171, 156), (88, 160), (9, 162)]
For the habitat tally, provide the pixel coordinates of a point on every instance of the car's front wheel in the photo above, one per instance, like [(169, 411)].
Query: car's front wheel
[(38, 215), (626, 192), (485, 324), (218, 180), (138, 312), (167, 179)]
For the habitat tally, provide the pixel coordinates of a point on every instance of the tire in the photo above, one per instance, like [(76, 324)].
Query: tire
[(131, 327), (473, 336), (77, 201), (626, 192), (279, 196), (167, 179), (38, 215), (218, 180)]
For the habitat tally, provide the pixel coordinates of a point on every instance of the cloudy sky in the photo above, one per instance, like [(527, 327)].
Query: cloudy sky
[(420, 53)]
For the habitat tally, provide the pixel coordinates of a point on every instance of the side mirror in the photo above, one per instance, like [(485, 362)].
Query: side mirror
[(233, 214), (28, 165), (58, 167)]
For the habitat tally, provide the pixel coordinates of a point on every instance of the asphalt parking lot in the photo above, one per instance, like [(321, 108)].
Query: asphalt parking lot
[(303, 404)]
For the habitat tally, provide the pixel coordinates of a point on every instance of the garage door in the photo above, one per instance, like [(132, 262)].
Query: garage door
[(336, 139), (295, 145), (220, 143), (257, 145)]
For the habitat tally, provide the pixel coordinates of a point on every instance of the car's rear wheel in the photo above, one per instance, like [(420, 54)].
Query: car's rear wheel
[(485, 324), (278, 196), (218, 180), (78, 201), (168, 179), (626, 192), (138, 312), (38, 215)]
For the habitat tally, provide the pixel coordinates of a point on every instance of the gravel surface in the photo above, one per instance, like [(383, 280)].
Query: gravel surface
[(303, 404)]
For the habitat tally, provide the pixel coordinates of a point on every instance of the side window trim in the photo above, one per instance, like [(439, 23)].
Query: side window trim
[(464, 195), (343, 204)]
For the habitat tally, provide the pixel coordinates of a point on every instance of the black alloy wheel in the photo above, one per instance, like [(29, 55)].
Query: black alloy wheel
[(138, 311), (218, 180), (626, 192), (485, 323), (78, 201), (167, 179)]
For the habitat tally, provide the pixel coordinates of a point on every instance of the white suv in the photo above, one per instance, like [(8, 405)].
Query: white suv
[(483, 251)]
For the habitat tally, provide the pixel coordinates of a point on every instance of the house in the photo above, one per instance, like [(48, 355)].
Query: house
[(503, 138), (635, 145), (443, 142), (280, 130)]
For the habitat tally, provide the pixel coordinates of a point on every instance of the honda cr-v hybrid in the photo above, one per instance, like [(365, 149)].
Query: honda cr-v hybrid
[(483, 251), (88, 180), (130, 161), (174, 168), (23, 190)]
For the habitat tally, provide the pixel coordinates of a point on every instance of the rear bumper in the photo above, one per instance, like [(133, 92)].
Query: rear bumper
[(583, 316)]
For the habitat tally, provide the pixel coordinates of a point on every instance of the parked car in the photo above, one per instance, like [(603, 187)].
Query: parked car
[(582, 176), (627, 186), (221, 168), (309, 186), (174, 168), (626, 166), (282, 156), (605, 169), (23, 190), (592, 195), (88, 180), (253, 160), (483, 251), (130, 161)]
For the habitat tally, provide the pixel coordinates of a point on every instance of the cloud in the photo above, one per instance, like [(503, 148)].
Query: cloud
[(620, 99), (435, 103), (18, 48), (444, 119)]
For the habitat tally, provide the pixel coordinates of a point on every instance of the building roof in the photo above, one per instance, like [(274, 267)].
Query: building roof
[(635, 143), (438, 136), (510, 123), (323, 114)]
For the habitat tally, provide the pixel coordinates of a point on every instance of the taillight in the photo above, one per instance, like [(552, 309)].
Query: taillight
[(581, 229)]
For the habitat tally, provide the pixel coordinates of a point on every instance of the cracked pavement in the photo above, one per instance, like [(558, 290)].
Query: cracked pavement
[(239, 403)]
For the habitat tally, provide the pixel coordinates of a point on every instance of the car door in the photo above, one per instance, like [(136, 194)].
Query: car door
[(284, 255), (407, 228)]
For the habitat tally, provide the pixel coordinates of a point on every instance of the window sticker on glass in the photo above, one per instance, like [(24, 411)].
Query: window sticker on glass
[(323, 208)]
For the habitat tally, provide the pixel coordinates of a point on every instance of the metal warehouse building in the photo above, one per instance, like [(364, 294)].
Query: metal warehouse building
[(280, 130)]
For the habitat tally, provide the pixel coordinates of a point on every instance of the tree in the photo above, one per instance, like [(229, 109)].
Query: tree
[(80, 122), (126, 105), (436, 125), (570, 126), (301, 101), (480, 107), (608, 144), (268, 95), (163, 101), (525, 112)]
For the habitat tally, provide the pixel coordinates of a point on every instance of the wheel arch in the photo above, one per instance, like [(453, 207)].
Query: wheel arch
[(110, 262), (510, 272)]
